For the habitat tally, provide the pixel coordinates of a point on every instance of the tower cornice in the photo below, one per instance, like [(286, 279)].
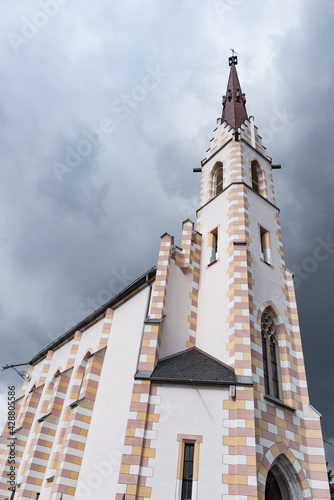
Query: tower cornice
[(238, 184)]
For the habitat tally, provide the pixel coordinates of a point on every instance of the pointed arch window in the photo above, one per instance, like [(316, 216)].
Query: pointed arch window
[(255, 176), (219, 179), (270, 356)]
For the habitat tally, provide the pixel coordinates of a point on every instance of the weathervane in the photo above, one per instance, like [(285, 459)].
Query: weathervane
[(233, 59)]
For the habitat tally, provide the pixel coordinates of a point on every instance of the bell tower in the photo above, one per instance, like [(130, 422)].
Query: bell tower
[(190, 383), (247, 315)]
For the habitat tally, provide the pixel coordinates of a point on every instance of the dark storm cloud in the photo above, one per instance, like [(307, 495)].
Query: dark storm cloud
[(69, 240)]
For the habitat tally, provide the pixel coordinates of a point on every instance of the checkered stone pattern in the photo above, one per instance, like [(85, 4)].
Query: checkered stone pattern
[(240, 293), (74, 349), (20, 443), (239, 452), (293, 432), (139, 445), (54, 461), (271, 187), (45, 369), (24, 422), (247, 130), (195, 261), (4, 455), (222, 134), (292, 361), (106, 328), (290, 347), (199, 221), (263, 191), (211, 185), (74, 441), (192, 241), (43, 436), (26, 381), (182, 258), (235, 171), (149, 352)]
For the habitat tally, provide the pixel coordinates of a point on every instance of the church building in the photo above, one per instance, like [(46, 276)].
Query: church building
[(190, 383)]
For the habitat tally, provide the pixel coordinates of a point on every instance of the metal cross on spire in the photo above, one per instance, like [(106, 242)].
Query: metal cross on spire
[(233, 59)]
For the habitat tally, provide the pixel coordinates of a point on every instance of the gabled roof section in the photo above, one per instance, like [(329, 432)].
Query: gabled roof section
[(193, 366), (234, 102)]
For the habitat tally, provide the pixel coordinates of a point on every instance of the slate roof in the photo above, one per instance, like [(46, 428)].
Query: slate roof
[(193, 366), (234, 110)]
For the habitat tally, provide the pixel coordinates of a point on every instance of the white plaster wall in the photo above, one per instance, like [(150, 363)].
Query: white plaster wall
[(90, 340), (249, 155), (59, 360), (100, 467), (188, 410), (268, 281), (175, 325), (212, 310)]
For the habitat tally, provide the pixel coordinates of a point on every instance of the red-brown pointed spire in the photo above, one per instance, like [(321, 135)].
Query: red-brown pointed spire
[(234, 109)]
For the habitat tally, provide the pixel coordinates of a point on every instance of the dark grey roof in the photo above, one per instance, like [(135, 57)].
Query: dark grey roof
[(193, 366), (82, 325)]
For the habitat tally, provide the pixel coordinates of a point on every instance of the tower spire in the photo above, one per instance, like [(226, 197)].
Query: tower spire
[(234, 109)]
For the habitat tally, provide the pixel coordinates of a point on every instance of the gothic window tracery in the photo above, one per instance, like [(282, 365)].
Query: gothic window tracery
[(270, 355)]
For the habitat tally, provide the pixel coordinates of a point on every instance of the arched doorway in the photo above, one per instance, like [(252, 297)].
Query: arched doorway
[(281, 482), (274, 486)]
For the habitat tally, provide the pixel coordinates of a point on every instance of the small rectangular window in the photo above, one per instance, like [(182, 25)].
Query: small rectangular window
[(213, 245), (188, 470), (265, 245)]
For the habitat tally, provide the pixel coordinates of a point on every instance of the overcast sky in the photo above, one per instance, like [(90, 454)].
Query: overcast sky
[(75, 229)]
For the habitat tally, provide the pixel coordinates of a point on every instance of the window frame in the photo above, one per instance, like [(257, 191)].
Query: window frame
[(219, 185), (273, 387), (255, 176), (213, 245), (183, 440), (265, 245)]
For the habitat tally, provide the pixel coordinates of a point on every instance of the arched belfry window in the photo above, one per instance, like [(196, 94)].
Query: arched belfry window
[(255, 176), (219, 178), (270, 355)]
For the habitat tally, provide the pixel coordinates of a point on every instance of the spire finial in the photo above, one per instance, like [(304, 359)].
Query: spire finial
[(233, 59)]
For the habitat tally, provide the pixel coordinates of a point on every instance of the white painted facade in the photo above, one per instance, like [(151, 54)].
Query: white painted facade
[(122, 439)]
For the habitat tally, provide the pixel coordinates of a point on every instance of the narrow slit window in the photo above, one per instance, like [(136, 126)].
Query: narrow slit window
[(274, 371), (255, 177), (213, 245), (265, 245), (188, 471), (265, 365)]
